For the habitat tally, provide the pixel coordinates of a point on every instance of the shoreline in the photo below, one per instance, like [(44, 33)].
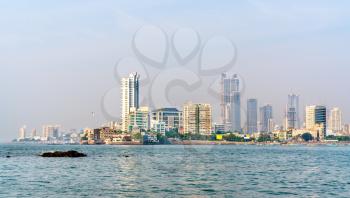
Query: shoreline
[(201, 142)]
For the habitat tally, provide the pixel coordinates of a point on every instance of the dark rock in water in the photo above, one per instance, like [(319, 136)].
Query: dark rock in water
[(63, 154), (8, 156)]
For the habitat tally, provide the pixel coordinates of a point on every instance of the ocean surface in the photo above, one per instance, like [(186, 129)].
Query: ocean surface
[(176, 171)]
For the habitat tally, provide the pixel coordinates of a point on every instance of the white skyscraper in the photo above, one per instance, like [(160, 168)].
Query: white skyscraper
[(335, 120), (130, 97), (22, 133), (230, 102), (292, 112)]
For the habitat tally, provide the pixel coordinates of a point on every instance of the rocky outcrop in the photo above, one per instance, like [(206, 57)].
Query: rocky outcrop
[(63, 154)]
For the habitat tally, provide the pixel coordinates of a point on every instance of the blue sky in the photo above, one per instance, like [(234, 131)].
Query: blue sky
[(58, 57)]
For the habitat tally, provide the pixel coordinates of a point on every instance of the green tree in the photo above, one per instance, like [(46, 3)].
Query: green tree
[(264, 138), (307, 137), (233, 138)]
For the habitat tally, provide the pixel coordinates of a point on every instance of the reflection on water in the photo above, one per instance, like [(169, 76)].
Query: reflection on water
[(239, 171)]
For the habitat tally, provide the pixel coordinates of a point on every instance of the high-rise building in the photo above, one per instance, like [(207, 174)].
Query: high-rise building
[(266, 115), (271, 125), (292, 112), (197, 118), (22, 133), (51, 131), (316, 116), (335, 120), (130, 97), (139, 119), (347, 129), (172, 117), (230, 102), (252, 116), (33, 133)]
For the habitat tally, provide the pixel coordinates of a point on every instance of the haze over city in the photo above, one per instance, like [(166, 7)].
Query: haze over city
[(58, 59)]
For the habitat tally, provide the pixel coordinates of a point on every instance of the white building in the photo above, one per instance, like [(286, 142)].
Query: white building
[(335, 120), (159, 127), (130, 97), (22, 133), (172, 117)]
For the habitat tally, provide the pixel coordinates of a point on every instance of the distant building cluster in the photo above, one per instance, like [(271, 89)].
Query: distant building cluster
[(51, 134)]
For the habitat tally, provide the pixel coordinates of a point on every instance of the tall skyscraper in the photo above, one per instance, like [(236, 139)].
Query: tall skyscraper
[(230, 102), (292, 112), (316, 116), (130, 97), (266, 116), (335, 120), (197, 118), (252, 116), (236, 106)]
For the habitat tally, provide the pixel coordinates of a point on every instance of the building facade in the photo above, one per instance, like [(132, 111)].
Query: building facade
[(346, 129), (139, 119), (316, 117), (252, 116), (172, 117), (159, 127), (266, 116), (335, 120), (51, 131), (292, 117), (230, 102), (22, 133), (130, 97), (197, 118), (219, 128)]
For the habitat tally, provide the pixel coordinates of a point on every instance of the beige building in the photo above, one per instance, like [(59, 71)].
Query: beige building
[(197, 118), (22, 133), (316, 118)]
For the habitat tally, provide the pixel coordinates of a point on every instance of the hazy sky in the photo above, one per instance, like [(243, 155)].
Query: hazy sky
[(58, 58)]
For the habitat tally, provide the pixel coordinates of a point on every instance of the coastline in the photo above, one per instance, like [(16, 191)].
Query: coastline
[(201, 142)]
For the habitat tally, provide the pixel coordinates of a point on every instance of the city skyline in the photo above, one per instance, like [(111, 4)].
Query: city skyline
[(67, 61), (315, 115), (133, 116)]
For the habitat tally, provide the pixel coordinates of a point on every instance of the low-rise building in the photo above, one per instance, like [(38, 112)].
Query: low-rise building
[(159, 127), (172, 117)]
